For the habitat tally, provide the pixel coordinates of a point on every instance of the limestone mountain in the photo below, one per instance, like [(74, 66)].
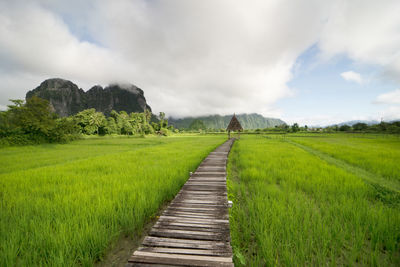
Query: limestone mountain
[(67, 99)]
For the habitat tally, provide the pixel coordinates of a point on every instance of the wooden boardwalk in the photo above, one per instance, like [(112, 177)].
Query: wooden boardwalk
[(194, 229)]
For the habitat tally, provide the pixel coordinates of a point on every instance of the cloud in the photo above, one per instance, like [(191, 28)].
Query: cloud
[(367, 32), (189, 57), (391, 113), (352, 76), (389, 98), (392, 102), (327, 120)]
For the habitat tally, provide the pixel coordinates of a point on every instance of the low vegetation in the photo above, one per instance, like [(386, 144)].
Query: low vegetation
[(294, 208), (33, 122), (63, 205)]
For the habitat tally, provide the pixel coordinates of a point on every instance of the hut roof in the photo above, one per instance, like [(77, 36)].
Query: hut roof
[(234, 125)]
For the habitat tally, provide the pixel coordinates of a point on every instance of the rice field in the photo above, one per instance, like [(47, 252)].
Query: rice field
[(377, 154), (63, 205), (299, 199), (302, 200)]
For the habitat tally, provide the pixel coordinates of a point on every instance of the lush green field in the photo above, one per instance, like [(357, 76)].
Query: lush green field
[(375, 153), (303, 200), (63, 205)]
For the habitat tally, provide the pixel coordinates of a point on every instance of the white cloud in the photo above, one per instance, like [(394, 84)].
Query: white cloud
[(391, 100), (366, 31), (329, 119), (391, 113), (392, 97), (190, 57), (352, 76)]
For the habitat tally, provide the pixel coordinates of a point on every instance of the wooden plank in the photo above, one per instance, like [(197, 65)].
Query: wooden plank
[(205, 174), (202, 243), (198, 225), (204, 214), (198, 201), (194, 219), (221, 199), (213, 163), (196, 216), (194, 222), (213, 214), (205, 210), (201, 195), (193, 216), (183, 260), (193, 205), (186, 234), (203, 252), (177, 206), (190, 228), (208, 168), (205, 181), (138, 264)]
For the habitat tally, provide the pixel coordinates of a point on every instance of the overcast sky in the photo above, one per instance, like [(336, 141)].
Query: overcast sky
[(312, 62)]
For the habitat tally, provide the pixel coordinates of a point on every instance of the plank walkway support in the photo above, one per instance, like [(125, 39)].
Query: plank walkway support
[(194, 229)]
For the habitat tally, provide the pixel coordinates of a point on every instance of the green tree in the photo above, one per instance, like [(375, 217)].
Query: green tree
[(163, 122), (111, 126), (115, 115), (34, 121), (344, 128), (91, 122), (360, 126), (295, 127)]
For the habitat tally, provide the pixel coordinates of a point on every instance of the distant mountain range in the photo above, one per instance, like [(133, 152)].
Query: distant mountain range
[(248, 121), (351, 123)]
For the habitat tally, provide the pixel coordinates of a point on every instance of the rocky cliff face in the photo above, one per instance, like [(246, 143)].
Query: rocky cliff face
[(67, 99)]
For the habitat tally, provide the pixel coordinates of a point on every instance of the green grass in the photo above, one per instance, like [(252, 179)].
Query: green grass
[(294, 208), (63, 205), (378, 154)]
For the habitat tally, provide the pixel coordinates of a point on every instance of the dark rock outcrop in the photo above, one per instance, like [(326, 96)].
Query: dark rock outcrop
[(67, 99)]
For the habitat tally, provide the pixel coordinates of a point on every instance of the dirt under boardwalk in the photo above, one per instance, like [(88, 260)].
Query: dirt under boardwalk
[(194, 229)]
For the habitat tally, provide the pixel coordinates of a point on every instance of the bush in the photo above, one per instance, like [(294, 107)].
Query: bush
[(344, 128), (33, 122), (164, 132)]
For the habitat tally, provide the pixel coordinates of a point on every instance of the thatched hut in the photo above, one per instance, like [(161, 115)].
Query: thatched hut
[(234, 125)]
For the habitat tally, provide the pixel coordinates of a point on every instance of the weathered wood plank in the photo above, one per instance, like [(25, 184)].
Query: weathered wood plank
[(195, 216), (201, 243), (193, 220), (200, 212), (193, 192), (203, 252), (186, 234), (191, 228), (222, 227), (178, 259), (209, 174)]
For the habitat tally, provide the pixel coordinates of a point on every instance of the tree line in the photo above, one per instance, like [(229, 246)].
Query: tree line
[(382, 127), (34, 121)]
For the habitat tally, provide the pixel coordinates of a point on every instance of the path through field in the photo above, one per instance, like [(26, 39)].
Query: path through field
[(194, 229)]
